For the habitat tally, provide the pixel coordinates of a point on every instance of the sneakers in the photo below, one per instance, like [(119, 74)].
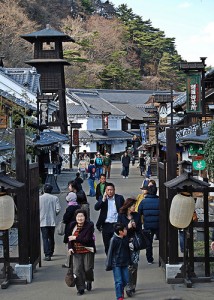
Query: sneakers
[(150, 262), (47, 258), (127, 177), (124, 177)]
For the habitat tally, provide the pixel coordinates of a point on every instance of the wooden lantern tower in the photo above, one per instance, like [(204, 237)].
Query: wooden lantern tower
[(49, 62)]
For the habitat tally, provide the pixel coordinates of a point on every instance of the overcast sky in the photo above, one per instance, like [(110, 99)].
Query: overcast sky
[(190, 22)]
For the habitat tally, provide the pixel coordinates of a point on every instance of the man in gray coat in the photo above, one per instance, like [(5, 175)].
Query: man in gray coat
[(49, 208)]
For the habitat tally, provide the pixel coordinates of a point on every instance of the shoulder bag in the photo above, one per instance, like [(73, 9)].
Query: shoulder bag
[(140, 241)]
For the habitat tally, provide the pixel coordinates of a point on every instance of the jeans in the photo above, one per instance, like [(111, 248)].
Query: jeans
[(99, 171), (48, 240), (83, 174), (121, 277), (91, 187)]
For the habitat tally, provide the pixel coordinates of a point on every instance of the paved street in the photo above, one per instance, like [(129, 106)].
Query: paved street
[(48, 282)]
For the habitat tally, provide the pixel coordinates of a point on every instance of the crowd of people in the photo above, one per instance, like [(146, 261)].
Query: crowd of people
[(119, 221)]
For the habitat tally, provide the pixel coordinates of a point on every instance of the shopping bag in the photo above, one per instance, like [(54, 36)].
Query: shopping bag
[(60, 229)]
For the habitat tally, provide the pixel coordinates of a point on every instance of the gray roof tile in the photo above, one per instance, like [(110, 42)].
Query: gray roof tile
[(111, 135), (27, 77), (93, 103)]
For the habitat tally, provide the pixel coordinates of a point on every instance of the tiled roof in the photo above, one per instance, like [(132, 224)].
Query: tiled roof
[(180, 100), (75, 109), (5, 145), (27, 77), (49, 137), (131, 112), (93, 103), (97, 135), (47, 33), (18, 101), (133, 97), (188, 135), (192, 137)]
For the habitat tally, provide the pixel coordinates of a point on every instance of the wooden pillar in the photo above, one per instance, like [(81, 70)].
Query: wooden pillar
[(22, 198), (171, 173)]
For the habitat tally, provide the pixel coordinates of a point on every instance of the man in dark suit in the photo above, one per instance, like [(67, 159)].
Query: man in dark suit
[(101, 187), (109, 205)]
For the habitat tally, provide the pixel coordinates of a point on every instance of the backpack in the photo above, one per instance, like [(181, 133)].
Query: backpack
[(99, 161)]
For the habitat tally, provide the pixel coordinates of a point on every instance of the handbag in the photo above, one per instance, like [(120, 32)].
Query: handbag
[(60, 229), (70, 277), (140, 241)]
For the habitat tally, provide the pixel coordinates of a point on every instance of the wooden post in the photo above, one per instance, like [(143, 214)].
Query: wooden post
[(22, 199), (171, 173)]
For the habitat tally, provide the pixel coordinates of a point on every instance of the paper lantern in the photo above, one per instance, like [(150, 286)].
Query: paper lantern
[(6, 212), (181, 211)]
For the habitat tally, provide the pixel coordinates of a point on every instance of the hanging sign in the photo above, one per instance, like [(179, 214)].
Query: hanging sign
[(44, 114), (199, 165), (194, 93), (76, 137), (163, 114)]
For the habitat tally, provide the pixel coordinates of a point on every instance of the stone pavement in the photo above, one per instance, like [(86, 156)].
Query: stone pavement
[(48, 281)]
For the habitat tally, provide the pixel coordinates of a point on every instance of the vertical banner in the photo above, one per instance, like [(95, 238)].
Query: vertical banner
[(105, 120), (194, 93), (143, 133), (76, 137)]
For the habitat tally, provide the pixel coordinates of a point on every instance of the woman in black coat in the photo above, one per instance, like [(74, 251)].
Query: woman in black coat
[(132, 221), (82, 247)]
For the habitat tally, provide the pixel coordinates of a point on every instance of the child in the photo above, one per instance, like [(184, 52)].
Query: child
[(118, 259)]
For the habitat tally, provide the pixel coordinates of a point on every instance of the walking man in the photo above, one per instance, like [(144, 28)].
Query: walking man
[(107, 164), (109, 205), (49, 208)]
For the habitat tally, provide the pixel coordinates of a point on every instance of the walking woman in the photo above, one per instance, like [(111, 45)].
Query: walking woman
[(82, 246), (132, 221)]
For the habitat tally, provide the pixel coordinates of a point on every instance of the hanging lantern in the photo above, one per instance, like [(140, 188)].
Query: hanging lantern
[(6, 212), (181, 211)]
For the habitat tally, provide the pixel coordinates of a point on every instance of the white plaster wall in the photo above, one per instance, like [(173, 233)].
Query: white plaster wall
[(120, 147)]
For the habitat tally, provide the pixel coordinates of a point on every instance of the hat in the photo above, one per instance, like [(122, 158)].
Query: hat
[(71, 197)]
